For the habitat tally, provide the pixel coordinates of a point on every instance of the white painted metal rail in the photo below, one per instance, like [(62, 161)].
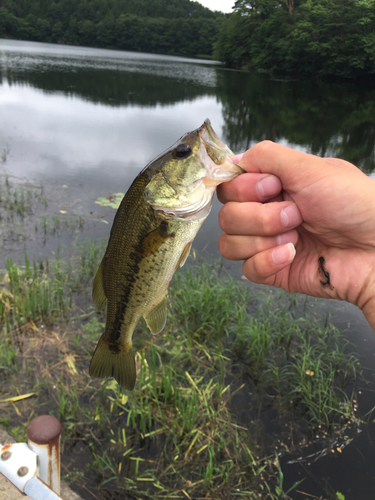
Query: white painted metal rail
[(34, 468)]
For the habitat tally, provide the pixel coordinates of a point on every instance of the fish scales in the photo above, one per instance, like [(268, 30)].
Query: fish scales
[(151, 236)]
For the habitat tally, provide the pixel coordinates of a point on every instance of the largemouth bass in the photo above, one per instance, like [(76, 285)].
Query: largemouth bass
[(151, 237)]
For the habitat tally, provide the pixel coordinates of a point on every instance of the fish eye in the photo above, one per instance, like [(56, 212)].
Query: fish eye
[(183, 150)]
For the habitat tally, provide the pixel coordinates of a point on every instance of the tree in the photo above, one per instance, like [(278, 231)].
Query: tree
[(303, 37), (181, 27)]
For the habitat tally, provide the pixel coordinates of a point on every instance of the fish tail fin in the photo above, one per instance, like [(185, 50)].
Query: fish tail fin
[(119, 365)]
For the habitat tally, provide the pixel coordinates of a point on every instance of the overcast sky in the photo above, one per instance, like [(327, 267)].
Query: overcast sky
[(223, 5)]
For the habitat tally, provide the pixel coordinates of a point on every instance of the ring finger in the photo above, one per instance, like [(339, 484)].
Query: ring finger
[(259, 219), (238, 247)]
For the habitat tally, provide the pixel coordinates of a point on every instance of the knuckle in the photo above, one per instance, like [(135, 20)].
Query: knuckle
[(222, 244), (249, 271), (257, 269), (267, 220), (262, 146), (225, 217)]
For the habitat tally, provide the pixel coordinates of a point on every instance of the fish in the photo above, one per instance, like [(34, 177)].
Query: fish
[(151, 237)]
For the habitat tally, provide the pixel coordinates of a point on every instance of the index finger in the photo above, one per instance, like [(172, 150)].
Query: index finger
[(276, 159), (290, 166), (249, 187), (269, 169)]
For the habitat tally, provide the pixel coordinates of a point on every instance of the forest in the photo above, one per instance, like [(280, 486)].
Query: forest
[(175, 27), (300, 37)]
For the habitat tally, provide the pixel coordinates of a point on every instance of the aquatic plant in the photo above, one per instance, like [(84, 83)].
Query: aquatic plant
[(4, 153), (112, 201)]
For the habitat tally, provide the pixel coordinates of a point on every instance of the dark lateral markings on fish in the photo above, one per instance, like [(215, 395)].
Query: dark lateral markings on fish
[(151, 237)]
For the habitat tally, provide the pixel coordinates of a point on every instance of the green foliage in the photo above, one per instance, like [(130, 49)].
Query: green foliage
[(321, 37), (181, 27), (237, 378)]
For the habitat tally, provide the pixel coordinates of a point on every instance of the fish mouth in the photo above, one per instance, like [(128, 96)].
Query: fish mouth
[(220, 167), (209, 135)]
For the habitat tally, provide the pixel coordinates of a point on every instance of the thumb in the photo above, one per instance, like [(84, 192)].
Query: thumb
[(281, 161)]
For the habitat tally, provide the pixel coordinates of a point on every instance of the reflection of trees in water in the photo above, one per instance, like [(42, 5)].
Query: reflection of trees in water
[(327, 119), (113, 87)]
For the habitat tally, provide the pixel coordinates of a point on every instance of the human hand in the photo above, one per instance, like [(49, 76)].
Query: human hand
[(290, 209)]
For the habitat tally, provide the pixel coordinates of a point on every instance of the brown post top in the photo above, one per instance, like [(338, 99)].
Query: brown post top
[(44, 429)]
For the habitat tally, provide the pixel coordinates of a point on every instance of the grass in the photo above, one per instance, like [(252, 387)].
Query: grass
[(4, 152), (17, 200), (234, 376), (19, 203), (51, 225), (23, 214), (29, 294)]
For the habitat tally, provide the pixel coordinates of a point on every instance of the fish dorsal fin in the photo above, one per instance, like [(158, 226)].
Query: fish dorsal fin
[(184, 255), (98, 294), (157, 317)]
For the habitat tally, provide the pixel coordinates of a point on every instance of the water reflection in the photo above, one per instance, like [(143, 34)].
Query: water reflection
[(48, 133), (107, 76), (89, 117), (325, 119)]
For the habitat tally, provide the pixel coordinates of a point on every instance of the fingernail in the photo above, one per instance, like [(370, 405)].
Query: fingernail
[(291, 216), (284, 254), (268, 186), (237, 158)]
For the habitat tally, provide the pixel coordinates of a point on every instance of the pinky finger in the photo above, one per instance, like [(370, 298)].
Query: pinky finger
[(266, 264)]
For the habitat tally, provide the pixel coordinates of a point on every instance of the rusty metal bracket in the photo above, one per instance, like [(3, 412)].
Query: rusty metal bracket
[(18, 464), (34, 469), (37, 490)]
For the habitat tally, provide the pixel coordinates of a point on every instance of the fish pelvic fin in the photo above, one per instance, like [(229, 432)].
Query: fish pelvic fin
[(120, 364), (184, 256), (98, 294), (157, 317)]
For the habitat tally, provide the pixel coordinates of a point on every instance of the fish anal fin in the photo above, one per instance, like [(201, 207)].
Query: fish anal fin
[(184, 255), (98, 294), (157, 317), (120, 364), (153, 241)]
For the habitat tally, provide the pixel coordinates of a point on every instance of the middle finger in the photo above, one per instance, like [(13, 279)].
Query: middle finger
[(259, 219), (250, 187)]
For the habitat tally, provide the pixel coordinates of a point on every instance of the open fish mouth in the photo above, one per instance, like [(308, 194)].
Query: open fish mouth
[(220, 168), (209, 135)]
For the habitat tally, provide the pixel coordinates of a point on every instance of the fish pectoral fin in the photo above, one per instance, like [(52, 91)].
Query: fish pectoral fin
[(98, 294), (157, 317), (119, 365), (153, 240), (184, 255)]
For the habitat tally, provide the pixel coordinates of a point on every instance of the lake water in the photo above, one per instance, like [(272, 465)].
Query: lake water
[(83, 122)]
